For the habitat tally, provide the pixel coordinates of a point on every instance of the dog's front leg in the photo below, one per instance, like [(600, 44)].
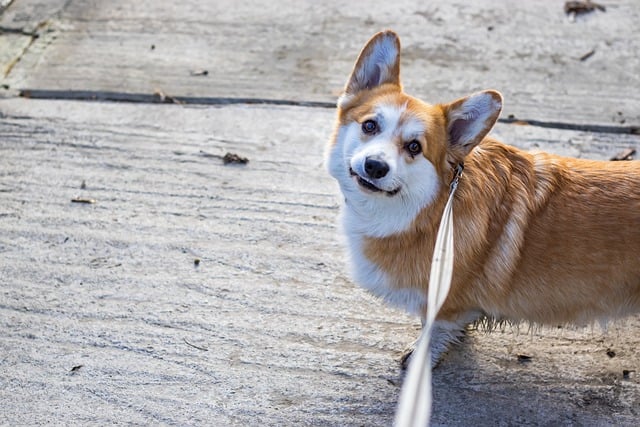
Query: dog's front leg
[(444, 334)]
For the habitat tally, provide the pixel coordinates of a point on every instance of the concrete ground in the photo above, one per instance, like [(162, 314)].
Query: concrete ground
[(144, 279)]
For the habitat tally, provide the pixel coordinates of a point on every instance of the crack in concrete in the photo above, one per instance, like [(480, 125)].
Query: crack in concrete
[(631, 130), (33, 36), (161, 98), (4, 4), (21, 31), (17, 59)]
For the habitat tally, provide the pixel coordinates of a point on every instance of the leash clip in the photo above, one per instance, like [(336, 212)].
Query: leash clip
[(456, 178)]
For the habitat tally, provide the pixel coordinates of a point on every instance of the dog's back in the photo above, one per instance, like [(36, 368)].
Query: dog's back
[(561, 235)]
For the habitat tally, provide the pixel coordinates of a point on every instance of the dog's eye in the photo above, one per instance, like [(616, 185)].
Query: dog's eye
[(369, 127), (413, 147)]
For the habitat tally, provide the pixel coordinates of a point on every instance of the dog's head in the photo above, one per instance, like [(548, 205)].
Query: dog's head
[(392, 154)]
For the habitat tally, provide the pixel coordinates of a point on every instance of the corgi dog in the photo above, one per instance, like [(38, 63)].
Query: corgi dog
[(537, 237)]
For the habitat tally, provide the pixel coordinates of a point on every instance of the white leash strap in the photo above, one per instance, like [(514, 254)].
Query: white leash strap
[(414, 407)]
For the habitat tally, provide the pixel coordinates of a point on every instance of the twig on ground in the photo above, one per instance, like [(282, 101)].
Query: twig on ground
[(194, 346)]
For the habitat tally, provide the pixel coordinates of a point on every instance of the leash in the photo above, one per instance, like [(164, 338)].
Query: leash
[(414, 406)]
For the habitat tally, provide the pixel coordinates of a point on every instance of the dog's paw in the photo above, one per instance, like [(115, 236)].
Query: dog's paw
[(443, 336), (405, 358)]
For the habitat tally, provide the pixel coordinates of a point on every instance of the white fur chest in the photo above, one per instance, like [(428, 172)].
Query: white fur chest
[(371, 277)]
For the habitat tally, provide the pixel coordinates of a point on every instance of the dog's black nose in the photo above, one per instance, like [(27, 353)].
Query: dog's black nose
[(375, 167)]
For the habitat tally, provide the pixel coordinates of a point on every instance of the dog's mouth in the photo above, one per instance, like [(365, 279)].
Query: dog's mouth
[(371, 187)]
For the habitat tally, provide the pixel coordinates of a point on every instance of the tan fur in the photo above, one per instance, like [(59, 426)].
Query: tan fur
[(538, 237)]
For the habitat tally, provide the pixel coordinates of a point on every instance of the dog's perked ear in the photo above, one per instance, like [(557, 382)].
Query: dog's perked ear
[(377, 64), (469, 120)]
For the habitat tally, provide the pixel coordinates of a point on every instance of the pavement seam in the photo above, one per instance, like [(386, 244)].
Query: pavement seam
[(161, 98)]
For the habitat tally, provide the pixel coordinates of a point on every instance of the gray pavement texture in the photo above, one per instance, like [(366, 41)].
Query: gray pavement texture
[(146, 281)]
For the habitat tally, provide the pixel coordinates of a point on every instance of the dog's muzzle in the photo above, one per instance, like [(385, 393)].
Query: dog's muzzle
[(367, 185)]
